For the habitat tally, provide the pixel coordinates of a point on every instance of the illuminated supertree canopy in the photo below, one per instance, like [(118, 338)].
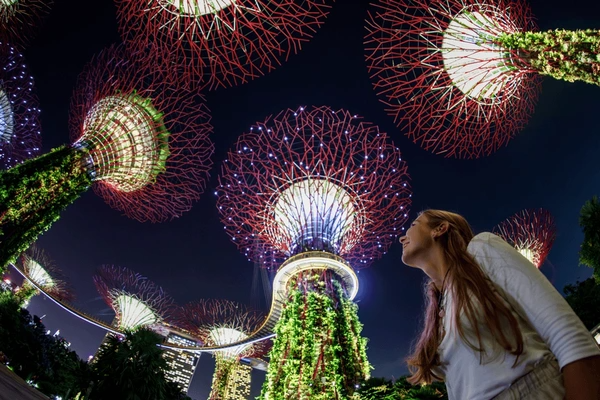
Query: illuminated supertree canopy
[(325, 193), (38, 268), (461, 75), (219, 323), (20, 18), (136, 301), (213, 43), (143, 145), (20, 137), (531, 232)]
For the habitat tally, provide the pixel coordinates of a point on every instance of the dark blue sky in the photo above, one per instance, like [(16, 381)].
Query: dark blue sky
[(552, 163)]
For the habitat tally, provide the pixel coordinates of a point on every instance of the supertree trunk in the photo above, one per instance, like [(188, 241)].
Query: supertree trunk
[(33, 194), (562, 54), (318, 353), (224, 368)]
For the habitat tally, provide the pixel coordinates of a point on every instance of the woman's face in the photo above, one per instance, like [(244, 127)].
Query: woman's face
[(417, 241)]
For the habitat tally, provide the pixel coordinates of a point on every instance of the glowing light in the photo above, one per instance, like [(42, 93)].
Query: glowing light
[(527, 253), (478, 67), (8, 2), (6, 118), (311, 261), (223, 336), (128, 147), (133, 312), (196, 7), (38, 274), (315, 210)]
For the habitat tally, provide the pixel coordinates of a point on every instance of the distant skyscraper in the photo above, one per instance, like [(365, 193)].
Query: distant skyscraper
[(239, 383), (182, 364)]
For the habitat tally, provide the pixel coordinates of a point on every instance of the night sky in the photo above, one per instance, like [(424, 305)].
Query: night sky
[(552, 163)]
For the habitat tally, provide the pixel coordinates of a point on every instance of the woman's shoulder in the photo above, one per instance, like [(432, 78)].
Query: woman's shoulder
[(486, 240), (491, 252)]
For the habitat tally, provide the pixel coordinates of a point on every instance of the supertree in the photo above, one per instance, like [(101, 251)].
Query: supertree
[(20, 137), (136, 301), (143, 145), (531, 232), (20, 18), (219, 43), (462, 75), (318, 193), (219, 322), (38, 268)]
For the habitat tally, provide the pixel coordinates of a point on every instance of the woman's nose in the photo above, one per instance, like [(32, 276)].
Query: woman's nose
[(402, 239)]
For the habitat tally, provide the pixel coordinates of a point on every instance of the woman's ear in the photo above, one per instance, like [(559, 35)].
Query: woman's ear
[(441, 229)]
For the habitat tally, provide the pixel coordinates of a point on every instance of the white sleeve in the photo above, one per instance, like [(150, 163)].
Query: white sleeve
[(534, 298)]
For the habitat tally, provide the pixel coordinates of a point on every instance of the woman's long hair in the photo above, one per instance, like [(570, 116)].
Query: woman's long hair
[(471, 295)]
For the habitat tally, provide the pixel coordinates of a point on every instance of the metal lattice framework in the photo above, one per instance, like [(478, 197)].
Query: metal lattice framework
[(20, 18), (37, 267), (218, 322), (531, 232), (213, 43), (437, 70), (148, 142), (20, 136), (135, 300), (314, 179)]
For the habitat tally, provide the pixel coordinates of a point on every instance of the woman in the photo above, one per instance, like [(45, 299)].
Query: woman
[(494, 325)]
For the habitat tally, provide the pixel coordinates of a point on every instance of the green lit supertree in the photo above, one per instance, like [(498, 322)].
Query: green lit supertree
[(218, 322), (141, 144), (462, 76), (40, 272), (317, 193), (136, 301)]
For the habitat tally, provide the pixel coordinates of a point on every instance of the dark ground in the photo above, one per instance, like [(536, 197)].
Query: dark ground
[(12, 387)]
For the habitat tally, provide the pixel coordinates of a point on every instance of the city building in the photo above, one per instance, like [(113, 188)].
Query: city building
[(182, 364), (240, 381)]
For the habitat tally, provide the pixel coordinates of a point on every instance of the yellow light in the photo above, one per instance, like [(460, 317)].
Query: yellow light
[(527, 253), (315, 209), (134, 313), (38, 274), (478, 67), (196, 7), (222, 336), (124, 148)]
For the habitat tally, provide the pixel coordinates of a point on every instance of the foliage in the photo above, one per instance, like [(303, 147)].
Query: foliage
[(382, 389), (589, 220), (318, 353), (584, 299), (33, 194), (561, 54), (132, 368), (25, 292), (33, 355), (224, 367)]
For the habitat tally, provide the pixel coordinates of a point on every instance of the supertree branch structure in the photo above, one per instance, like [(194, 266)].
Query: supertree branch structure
[(531, 232), (323, 192), (19, 18), (448, 72), (38, 268), (136, 301), (219, 322), (143, 145), (213, 43), (20, 136)]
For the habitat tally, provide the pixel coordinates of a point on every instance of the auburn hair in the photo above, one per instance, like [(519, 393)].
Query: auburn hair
[(472, 296)]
